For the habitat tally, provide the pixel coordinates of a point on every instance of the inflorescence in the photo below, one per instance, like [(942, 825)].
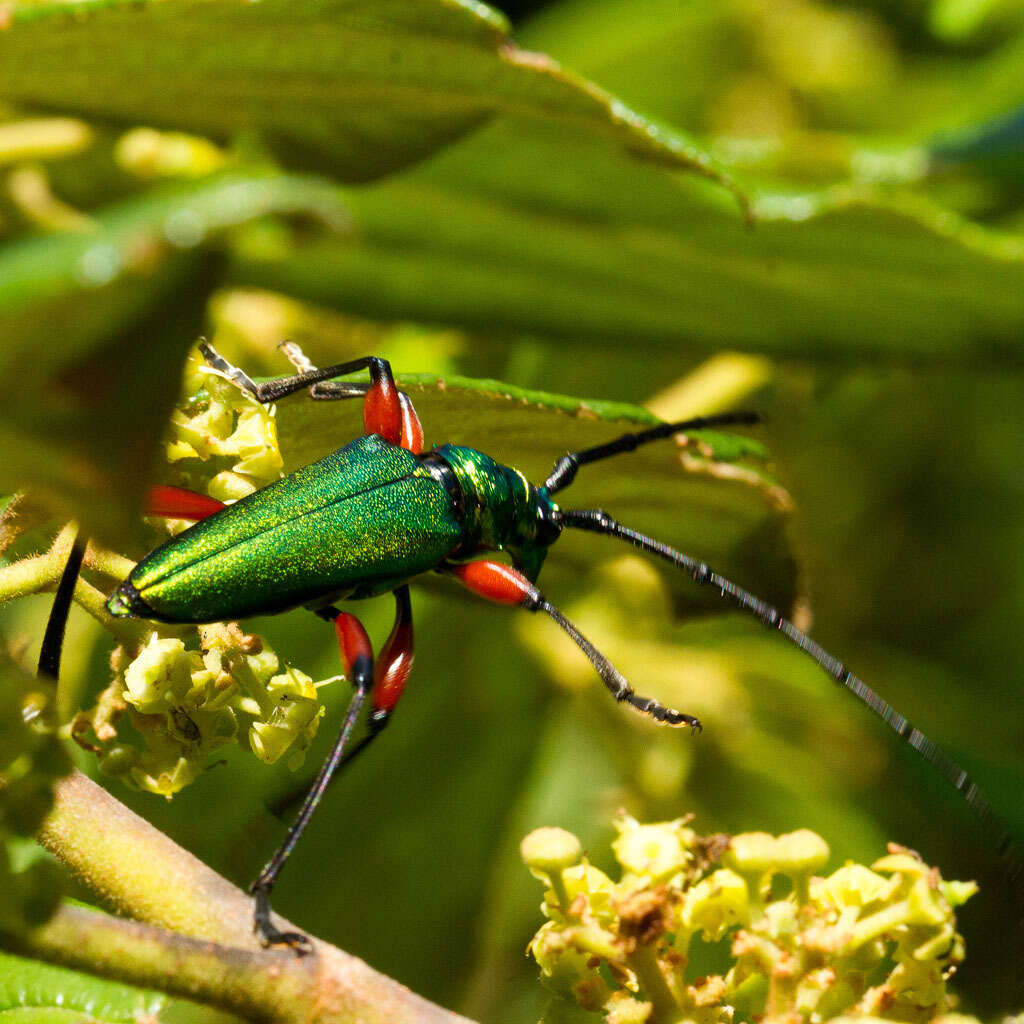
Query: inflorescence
[(186, 701), (878, 942)]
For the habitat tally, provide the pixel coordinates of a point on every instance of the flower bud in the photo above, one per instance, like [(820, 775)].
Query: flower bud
[(550, 849)]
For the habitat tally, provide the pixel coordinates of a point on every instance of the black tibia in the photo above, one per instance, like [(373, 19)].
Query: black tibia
[(362, 680), (598, 521), (53, 638), (272, 390), (610, 675), (564, 471), (330, 390)]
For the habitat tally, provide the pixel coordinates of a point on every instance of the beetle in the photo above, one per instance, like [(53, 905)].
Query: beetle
[(372, 516)]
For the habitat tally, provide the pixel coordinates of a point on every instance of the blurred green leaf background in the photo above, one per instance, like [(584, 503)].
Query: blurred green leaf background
[(398, 178)]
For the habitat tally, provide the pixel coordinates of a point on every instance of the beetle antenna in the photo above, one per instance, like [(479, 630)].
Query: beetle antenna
[(564, 471), (598, 521), (53, 638)]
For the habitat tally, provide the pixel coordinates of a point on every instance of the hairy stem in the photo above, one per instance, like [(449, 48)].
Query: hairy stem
[(142, 954), (40, 573), (209, 952)]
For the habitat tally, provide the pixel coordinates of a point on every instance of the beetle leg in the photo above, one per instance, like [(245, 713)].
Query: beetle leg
[(180, 503), (357, 658), (325, 390), (394, 663), (391, 670), (382, 407), (412, 431), (53, 638), (505, 585)]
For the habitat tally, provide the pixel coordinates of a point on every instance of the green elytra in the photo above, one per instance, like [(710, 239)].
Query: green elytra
[(359, 523), (376, 514)]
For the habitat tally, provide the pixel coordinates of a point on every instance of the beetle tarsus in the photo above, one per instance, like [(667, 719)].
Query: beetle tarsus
[(238, 377), (659, 712), (268, 932)]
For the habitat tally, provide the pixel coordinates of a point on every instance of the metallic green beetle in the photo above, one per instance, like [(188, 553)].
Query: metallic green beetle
[(376, 514), (358, 523)]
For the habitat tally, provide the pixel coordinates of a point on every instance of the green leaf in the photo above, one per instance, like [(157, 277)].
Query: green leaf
[(96, 324), (359, 88), (35, 993), (502, 233), (995, 147)]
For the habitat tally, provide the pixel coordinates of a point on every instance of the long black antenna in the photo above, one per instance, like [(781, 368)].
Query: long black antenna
[(599, 521), (564, 471), (53, 638)]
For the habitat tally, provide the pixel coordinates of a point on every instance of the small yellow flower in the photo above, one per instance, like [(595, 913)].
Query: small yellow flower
[(805, 955)]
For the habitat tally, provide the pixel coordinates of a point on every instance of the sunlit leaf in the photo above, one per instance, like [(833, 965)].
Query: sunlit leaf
[(357, 88), (36, 993), (501, 233)]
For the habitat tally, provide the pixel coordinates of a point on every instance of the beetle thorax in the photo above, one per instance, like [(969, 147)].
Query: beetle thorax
[(502, 510)]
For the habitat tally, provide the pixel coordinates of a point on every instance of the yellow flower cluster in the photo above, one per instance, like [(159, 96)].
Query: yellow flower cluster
[(862, 942), (233, 437), (186, 704)]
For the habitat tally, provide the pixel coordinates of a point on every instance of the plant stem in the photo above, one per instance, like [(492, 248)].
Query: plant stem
[(210, 953), (144, 955), (32, 575), (108, 562), (644, 962), (28, 576), (39, 573)]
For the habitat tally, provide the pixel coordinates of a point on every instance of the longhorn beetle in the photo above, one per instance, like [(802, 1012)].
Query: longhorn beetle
[(372, 516)]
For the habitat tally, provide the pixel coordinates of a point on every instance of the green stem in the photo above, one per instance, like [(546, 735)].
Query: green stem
[(107, 562), (210, 952), (558, 887), (276, 987), (125, 631), (143, 955), (644, 962), (36, 574), (41, 572), (29, 576)]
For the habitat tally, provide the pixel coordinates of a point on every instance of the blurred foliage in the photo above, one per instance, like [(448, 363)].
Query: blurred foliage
[(546, 239), (31, 758)]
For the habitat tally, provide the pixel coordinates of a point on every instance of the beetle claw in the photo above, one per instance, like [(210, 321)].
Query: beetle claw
[(300, 944), (268, 932), (271, 936)]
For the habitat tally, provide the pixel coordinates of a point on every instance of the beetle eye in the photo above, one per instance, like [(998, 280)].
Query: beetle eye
[(548, 529)]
